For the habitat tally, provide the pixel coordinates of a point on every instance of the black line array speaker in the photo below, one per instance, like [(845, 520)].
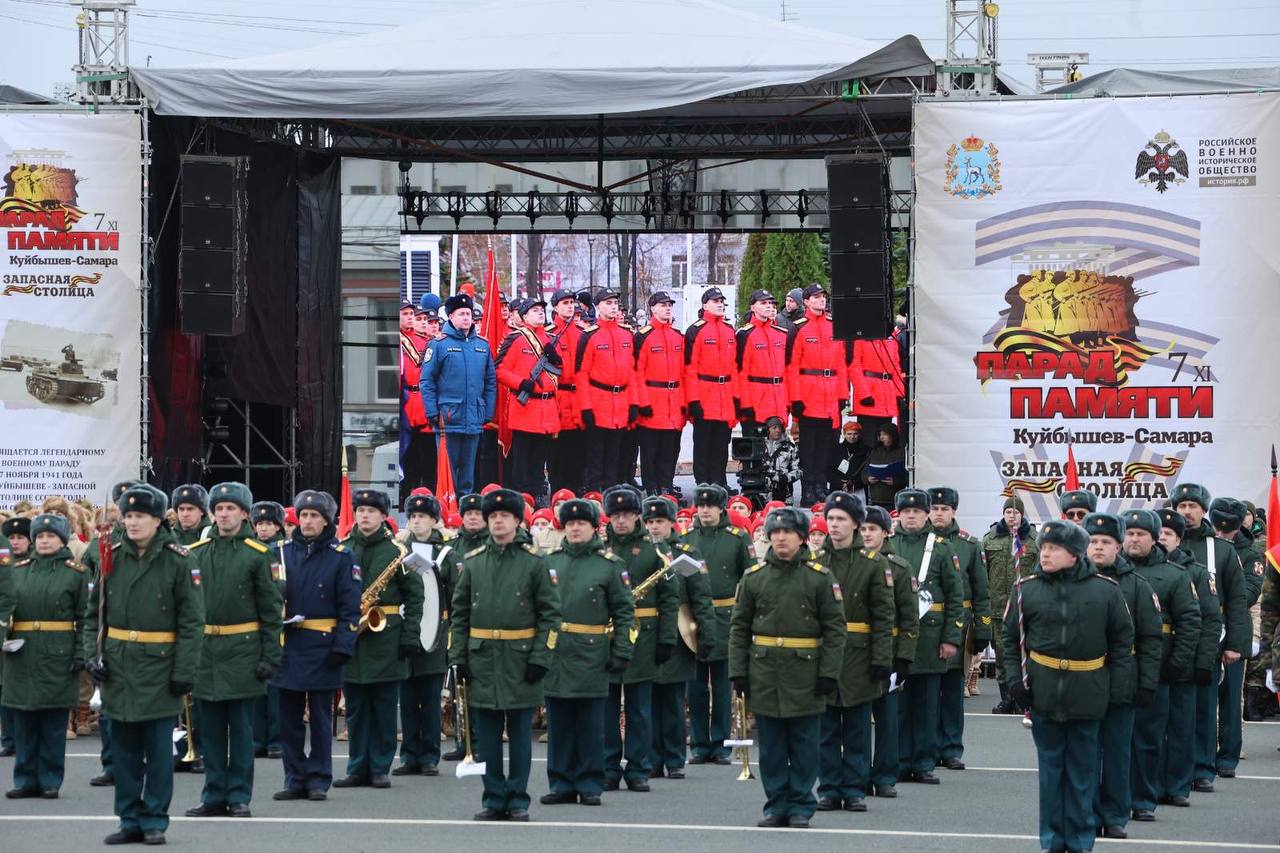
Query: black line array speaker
[(858, 210), (214, 245)]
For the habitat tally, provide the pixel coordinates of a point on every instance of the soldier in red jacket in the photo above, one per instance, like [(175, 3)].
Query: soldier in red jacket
[(659, 372), (710, 387), (570, 447), (417, 439), (535, 421), (877, 382), (762, 364), (604, 372), (818, 382)]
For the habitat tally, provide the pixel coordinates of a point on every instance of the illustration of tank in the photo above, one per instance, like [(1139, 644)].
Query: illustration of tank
[(11, 364), (67, 382)]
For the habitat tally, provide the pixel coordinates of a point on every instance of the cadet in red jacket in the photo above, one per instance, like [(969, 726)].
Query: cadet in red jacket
[(570, 447), (659, 370), (710, 387), (877, 382), (762, 363), (534, 422), (817, 380), (604, 372), (417, 440)]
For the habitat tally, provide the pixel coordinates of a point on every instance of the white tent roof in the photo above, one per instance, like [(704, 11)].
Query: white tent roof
[(526, 58)]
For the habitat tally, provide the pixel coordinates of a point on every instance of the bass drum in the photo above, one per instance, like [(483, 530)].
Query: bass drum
[(430, 633)]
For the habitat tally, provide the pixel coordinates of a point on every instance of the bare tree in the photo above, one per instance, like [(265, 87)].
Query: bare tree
[(533, 266)]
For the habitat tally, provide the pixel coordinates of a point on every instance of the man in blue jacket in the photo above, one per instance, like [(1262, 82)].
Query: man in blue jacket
[(322, 613), (459, 388)]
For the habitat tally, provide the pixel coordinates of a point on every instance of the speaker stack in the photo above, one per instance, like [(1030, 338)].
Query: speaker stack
[(858, 209), (214, 245)]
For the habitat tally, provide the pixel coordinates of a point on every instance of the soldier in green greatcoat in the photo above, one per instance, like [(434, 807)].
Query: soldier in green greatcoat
[(939, 590), (505, 610), (243, 611), (657, 614), (144, 653), (190, 504), (1226, 579), (1180, 633), (670, 685), (1112, 803), (49, 593), (594, 596), (1010, 551), (472, 535), (1227, 517), (727, 552), (267, 518), (420, 692), (1178, 754), (381, 661), (943, 503), (865, 580), (906, 630), (12, 527), (1070, 643), (786, 649)]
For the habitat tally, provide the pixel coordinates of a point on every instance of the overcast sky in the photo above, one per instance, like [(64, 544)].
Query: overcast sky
[(40, 35)]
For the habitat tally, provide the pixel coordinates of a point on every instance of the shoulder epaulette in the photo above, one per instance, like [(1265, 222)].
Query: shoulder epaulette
[(967, 536), (23, 562), (645, 329), (75, 567), (626, 326), (699, 322), (800, 322), (870, 555), (532, 549), (895, 559), (116, 545), (338, 546), (683, 547), (473, 552), (176, 548), (198, 543), (736, 531), (745, 328), (1027, 578), (590, 328), (609, 555), (779, 328), (1107, 579), (260, 547), (755, 567), (818, 567)]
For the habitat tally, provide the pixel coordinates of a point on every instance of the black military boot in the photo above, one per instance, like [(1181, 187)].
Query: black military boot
[(1005, 705), (1252, 704)]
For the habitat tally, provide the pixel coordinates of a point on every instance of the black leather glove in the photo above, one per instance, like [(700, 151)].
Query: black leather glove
[(180, 688), (633, 414), (747, 414), (264, 671), (646, 411), (534, 673), (588, 419), (75, 667), (824, 686), (336, 659), (695, 410), (902, 667), (98, 671), (797, 408), (880, 673), (553, 357), (462, 672), (1144, 697), (1021, 694), (741, 687), (616, 666), (527, 387), (1204, 677), (664, 652)]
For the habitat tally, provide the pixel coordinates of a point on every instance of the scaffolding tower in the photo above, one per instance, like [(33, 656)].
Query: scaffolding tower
[(971, 62), (102, 72)]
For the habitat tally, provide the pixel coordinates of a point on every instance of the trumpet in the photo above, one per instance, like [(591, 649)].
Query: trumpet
[(741, 743), (188, 723)]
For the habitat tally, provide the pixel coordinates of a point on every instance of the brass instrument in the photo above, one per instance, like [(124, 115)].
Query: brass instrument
[(371, 618), (468, 766), (188, 723), (741, 743)]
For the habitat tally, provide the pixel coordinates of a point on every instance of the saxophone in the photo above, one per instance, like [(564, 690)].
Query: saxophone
[(371, 616)]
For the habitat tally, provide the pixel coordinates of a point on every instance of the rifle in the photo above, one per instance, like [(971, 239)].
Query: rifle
[(543, 365), (105, 558)]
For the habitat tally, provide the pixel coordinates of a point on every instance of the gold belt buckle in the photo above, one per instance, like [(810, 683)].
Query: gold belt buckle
[(1064, 664), (214, 630), (37, 624), (778, 641), (133, 635)]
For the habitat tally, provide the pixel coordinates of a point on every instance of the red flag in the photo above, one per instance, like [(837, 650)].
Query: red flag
[(1273, 510), (1072, 481), (446, 492), (493, 329), (346, 515)]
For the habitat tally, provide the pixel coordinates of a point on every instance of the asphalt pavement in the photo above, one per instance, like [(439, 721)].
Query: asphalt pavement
[(990, 807)]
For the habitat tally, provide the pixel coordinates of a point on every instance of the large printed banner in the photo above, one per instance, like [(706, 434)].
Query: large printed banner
[(70, 351), (1104, 273)]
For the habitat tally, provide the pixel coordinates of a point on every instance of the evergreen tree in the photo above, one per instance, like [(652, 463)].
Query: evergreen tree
[(793, 260), (752, 264)]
